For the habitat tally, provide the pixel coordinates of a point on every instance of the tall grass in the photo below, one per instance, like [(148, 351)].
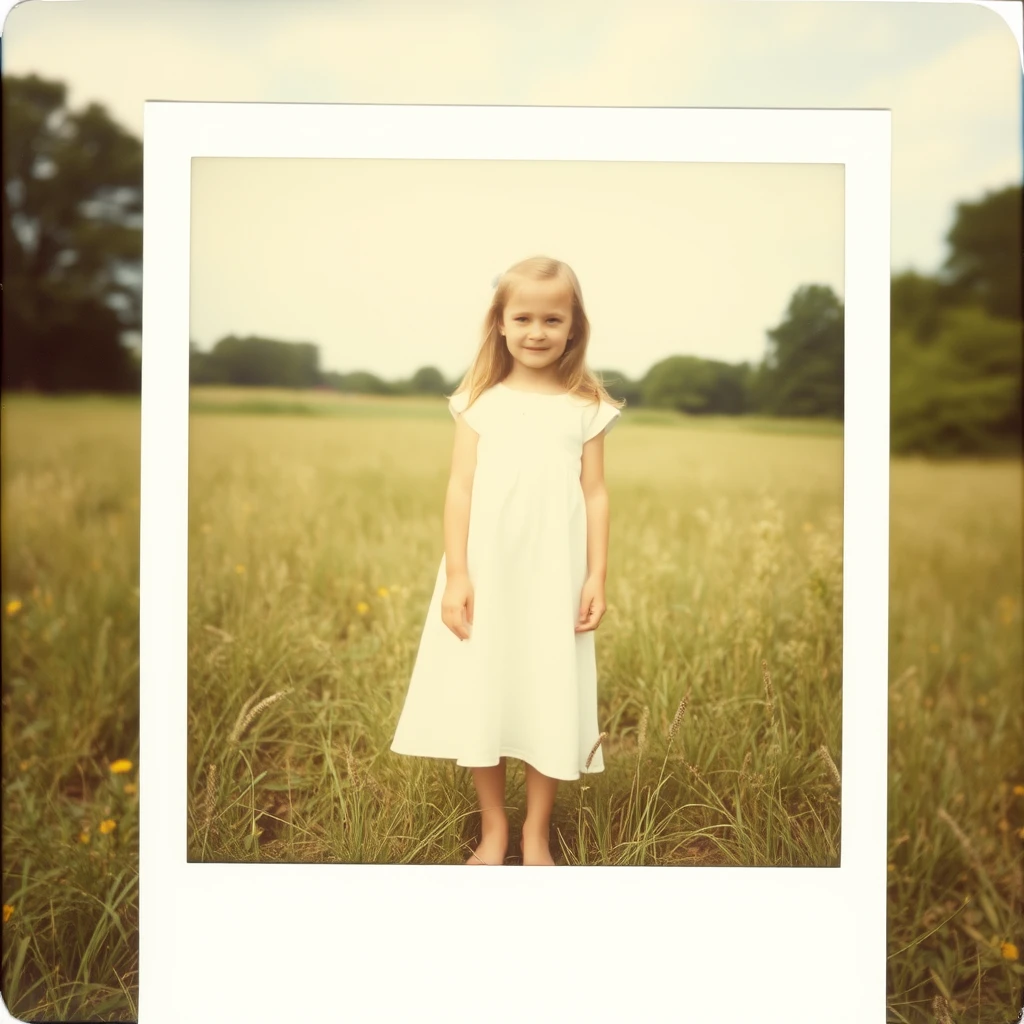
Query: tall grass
[(314, 548), (313, 545), (70, 535)]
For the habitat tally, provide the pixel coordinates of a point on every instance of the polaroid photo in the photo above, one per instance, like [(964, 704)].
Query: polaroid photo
[(308, 761)]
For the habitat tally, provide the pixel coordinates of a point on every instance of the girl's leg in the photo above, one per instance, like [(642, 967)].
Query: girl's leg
[(490, 792), (540, 799)]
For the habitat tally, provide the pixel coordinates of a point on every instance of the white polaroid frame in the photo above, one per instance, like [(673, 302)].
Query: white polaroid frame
[(285, 942)]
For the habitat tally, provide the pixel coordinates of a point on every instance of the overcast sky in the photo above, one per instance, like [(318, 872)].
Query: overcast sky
[(950, 73)]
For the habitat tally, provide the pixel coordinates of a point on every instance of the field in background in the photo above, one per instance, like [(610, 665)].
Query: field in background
[(313, 545), (293, 402)]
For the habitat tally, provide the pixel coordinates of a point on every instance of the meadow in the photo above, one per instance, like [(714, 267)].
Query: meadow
[(314, 537)]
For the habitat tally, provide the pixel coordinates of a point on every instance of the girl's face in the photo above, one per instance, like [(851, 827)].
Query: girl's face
[(537, 323)]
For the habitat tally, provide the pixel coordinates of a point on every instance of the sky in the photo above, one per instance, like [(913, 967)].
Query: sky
[(388, 264), (950, 73)]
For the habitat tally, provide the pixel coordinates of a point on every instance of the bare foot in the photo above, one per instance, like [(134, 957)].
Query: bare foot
[(536, 851), (490, 850)]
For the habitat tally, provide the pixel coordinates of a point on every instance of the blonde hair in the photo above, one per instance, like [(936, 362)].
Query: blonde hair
[(493, 360)]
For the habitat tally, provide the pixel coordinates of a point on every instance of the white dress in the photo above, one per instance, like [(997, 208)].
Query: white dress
[(524, 684)]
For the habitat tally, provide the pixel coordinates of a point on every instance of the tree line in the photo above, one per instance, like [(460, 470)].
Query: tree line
[(72, 255), (801, 375)]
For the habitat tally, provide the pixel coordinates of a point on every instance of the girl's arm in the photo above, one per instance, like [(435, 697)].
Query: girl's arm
[(596, 495), (592, 603), (456, 506)]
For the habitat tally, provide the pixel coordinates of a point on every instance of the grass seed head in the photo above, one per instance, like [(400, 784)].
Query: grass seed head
[(211, 795), (941, 1010), (769, 691), (641, 737), (678, 719), (830, 764), (243, 723), (593, 750)]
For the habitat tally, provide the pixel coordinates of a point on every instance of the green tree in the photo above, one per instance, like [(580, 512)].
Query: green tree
[(916, 304), (362, 382), (258, 361), (72, 242), (694, 385), (804, 363), (960, 394), (428, 380), (984, 262)]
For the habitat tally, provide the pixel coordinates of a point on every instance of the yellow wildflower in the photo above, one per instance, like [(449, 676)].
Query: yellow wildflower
[(382, 591), (13, 607), (1018, 790), (84, 837), (23, 765), (362, 607), (107, 826), (130, 787), (240, 569), (120, 766), (1008, 949), (8, 912)]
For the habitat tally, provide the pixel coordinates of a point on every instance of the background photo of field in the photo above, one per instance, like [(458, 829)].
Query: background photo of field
[(314, 542)]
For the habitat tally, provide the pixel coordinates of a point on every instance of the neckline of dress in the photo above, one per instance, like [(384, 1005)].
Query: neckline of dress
[(538, 394)]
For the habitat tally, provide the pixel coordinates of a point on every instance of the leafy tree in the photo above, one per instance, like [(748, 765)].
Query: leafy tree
[(428, 380), (361, 382), (804, 363), (916, 304), (694, 385), (257, 361), (72, 242), (984, 262), (961, 394)]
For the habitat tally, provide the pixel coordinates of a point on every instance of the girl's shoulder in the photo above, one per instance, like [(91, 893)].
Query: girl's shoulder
[(459, 405), (599, 416)]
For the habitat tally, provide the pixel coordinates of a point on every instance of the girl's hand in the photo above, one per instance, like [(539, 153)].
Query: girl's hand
[(592, 606), (458, 595)]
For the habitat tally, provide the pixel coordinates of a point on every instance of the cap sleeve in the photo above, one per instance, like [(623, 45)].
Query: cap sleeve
[(458, 405), (600, 419)]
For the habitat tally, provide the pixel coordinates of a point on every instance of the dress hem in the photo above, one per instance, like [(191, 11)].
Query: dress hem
[(504, 752)]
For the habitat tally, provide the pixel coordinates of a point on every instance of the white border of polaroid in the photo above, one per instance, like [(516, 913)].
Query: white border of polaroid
[(243, 942)]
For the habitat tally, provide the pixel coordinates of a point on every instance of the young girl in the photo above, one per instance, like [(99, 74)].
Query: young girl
[(506, 664)]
